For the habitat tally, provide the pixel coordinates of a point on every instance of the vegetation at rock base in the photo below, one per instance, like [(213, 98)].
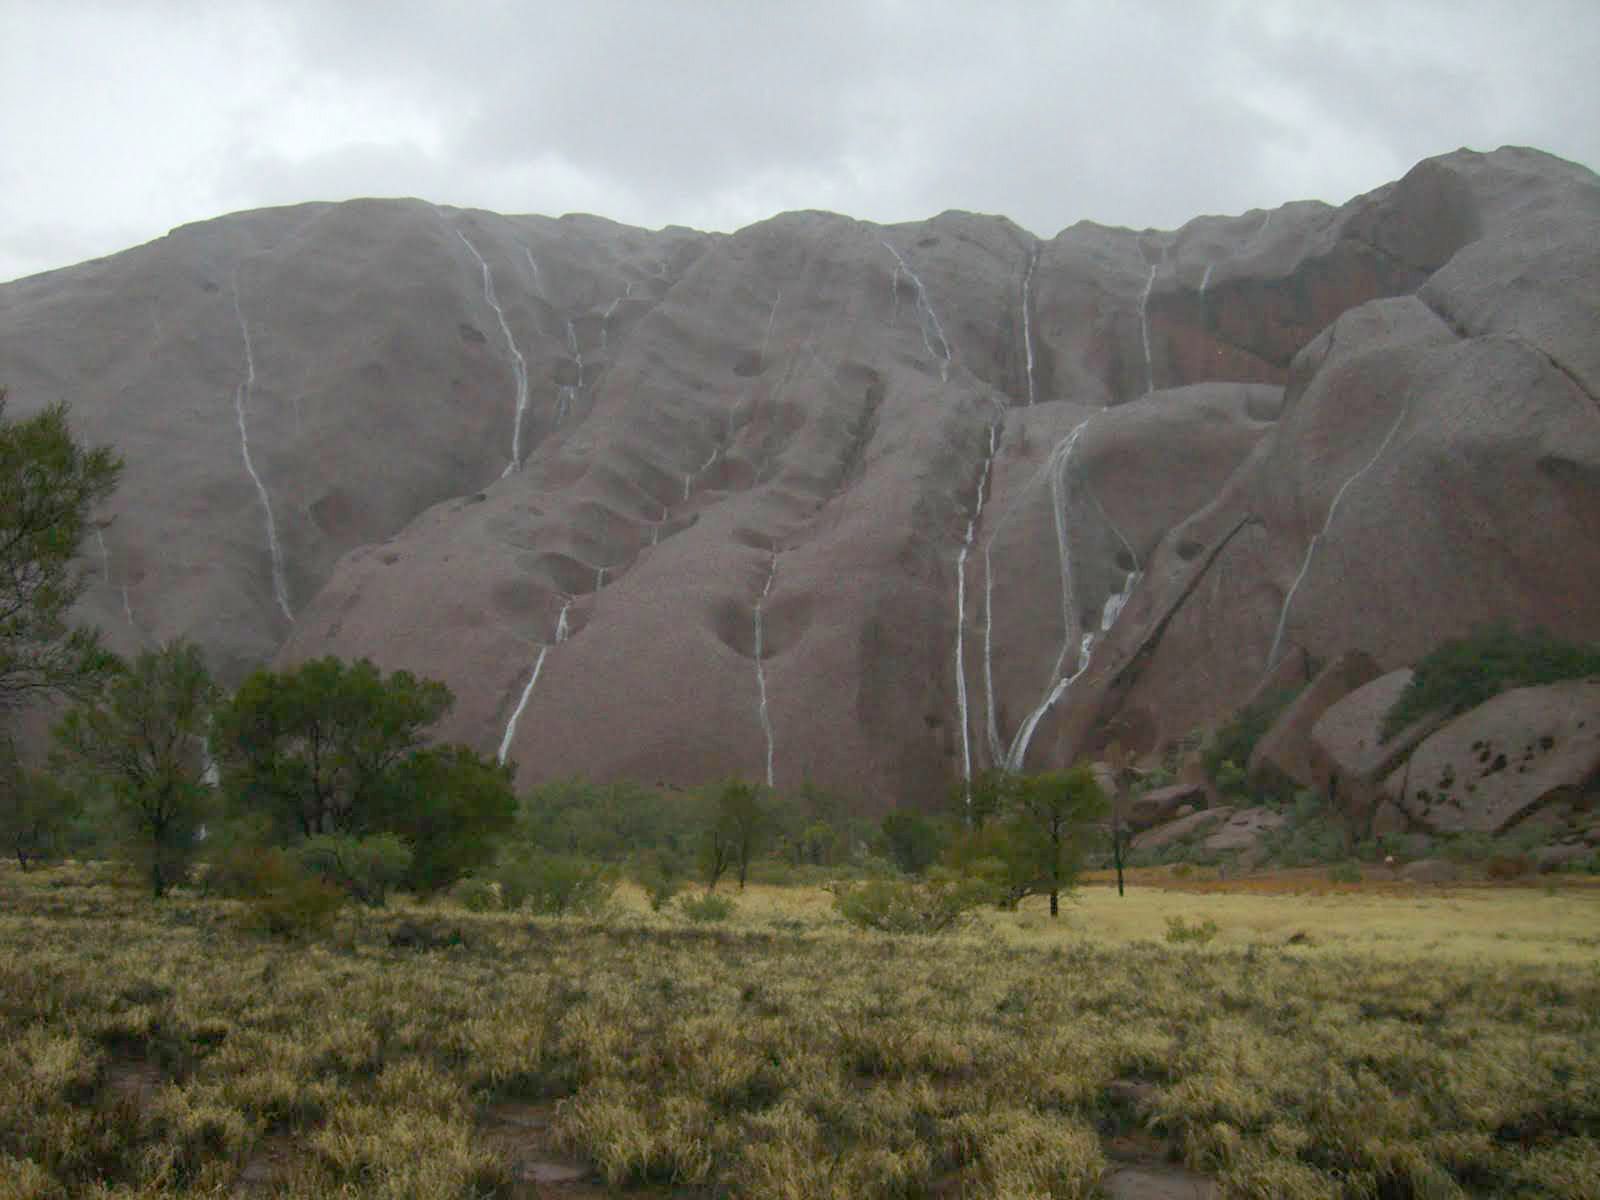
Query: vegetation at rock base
[(1226, 753), (1465, 672), (1341, 1046), (142, 742)]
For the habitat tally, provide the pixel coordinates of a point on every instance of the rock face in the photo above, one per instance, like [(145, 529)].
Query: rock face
[(1524, 750), (1284, 752), (1349, 758), (1183, 827), (1163, 804), (873, 506)]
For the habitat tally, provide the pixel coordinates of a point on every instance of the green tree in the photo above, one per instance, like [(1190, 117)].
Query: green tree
[(735, 824), (143, 741), (1052, 820), (317, 746), (49, 486), (36, 811), (911, 840), (337, 748)]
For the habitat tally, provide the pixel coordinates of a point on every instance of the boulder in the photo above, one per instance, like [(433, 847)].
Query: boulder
[(1347, 757), (1284, 751), (1163, 804), (1243, 830), (1553, 858), (1499, 763), (1185, 827), (1430, 870)]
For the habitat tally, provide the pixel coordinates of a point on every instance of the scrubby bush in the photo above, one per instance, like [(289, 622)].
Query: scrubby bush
[(363, 868), (1346, 872), (662, 874), (1197, 932), (242, 871), (553, 884), (706, 907), (1227, 752), (298, 908), (1464, 672), (900, 906), (475, 895)]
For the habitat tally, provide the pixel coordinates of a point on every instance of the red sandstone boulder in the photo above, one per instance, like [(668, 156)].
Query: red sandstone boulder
[(1498, 764), (1163, 804), (1284, 751), (1183, 828)]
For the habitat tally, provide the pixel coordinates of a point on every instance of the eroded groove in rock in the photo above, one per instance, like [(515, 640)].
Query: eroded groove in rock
[(927, 319)]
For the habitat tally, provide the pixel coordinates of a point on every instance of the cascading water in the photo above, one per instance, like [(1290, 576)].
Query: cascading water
[(961, 606), (926, 317), (1316, 539), (570, 392), (1027, 319), (1072, 634), (538, 280), (105, 569), (605, 318), (767, 336), (761, 669), (519, 365), (1144, 328), (688, 480), (241, 401), (1206, 278), (533, 678)]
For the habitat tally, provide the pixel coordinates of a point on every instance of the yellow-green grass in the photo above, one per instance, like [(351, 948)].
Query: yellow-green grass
[(160, 1049)]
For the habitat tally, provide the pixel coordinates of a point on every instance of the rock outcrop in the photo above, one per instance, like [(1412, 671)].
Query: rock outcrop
[(869, 505), (1284, 754), (1526, 750)]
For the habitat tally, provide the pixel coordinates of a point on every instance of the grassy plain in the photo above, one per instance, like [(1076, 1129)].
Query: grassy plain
[(1385, 1042)]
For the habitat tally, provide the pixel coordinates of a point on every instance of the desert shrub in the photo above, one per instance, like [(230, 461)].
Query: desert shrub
[(246, 872), (662, 874), (475, 895), (1198, 932), (706, 907), (1313, 834), (1464, 672), (1507, 866), (1346, 872), (1467, 847), (900, 906), (1228, 750), (296, 909), (911, 840), (553, 884), (363, 868)]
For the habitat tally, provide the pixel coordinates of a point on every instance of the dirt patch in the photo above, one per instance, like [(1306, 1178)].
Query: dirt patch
[(1157, 1182), (521, 1134)]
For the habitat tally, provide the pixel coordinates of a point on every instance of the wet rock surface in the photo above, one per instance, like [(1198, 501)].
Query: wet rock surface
[(422, 434)]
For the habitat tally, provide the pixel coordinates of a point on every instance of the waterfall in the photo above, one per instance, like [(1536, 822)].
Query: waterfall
[(605, 317), (538, 281), (1206, 278), (926, 317), (241, 401), (519, 365), (533, 678), (1144, 328), (1316, 539), (767, 336), (1071, 636), (761, 670), (1027, 319), (961, 607)]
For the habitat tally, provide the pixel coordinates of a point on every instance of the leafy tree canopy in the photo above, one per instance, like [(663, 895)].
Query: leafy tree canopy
[(49, 485), (142, 741), (331, 747)]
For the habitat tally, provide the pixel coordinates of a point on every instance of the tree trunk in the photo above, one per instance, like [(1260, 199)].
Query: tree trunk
[(1116, 853), (1055, 903)]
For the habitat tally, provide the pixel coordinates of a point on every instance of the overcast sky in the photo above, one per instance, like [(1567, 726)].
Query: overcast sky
[(122, 118)]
